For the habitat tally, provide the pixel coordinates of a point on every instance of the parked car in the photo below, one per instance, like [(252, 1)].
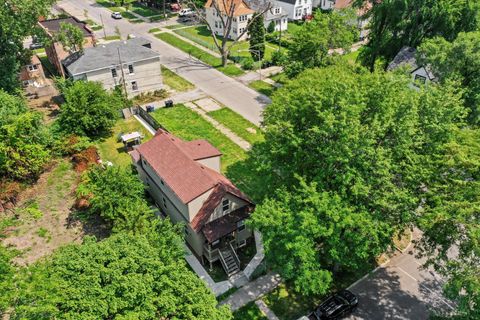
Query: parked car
[(36, 45), (186, 12), (116, 15), (336, 306)]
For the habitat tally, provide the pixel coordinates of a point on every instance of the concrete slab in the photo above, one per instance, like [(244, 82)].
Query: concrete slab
[(208, 104)]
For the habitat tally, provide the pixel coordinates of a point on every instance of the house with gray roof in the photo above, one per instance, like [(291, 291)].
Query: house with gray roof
[(295, 9), (130, 64), (407, 58)]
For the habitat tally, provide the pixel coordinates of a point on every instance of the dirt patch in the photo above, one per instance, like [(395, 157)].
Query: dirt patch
[(45, 216), (85, 158)]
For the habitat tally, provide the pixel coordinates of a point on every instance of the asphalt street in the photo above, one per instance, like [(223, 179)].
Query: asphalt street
[(222, 88)]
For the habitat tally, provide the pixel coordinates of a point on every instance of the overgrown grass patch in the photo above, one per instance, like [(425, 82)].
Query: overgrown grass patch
[(47, 65), (280, 78), (174, 81), (111, 38), (238, 124), (216, 62), (128, 15), (144, 11), (188, 125), (154, 30), (175, 26), (96, 27), (249, 311), (112, 149), (262, 87)]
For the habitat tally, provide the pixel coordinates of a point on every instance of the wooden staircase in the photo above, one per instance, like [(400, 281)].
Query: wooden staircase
[(229, 260)]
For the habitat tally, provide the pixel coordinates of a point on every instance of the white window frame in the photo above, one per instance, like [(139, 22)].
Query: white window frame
[(32, 67), (225, 204), (131, 70), (133, 86), (242, 243), (240, 225), (114, 72)]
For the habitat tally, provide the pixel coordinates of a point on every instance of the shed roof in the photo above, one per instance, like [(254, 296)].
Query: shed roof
[(53, 25)]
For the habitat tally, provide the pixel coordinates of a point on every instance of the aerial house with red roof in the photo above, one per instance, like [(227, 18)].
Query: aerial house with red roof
[(185, 181)]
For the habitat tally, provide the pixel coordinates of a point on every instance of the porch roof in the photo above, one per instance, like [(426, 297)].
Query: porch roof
[(228, 223)]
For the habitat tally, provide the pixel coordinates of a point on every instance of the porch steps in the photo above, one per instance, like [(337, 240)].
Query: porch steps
[(230, 265)]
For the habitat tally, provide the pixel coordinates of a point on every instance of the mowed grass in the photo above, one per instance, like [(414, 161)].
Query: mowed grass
[(238, 124), (111, 149), (202, 36), (188, 125), (262, 87), (249, 312), (174, 81), (216, 62), (144, 11)]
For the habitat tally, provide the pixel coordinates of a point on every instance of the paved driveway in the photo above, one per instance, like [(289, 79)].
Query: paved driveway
[(400, 290), (224, 89)]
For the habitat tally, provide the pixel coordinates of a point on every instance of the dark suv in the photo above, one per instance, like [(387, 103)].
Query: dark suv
[(335, 307)]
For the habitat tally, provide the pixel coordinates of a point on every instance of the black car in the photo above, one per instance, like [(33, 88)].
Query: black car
[(335, 306)]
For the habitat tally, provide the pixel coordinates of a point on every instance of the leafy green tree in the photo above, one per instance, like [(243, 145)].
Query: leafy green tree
[(89, 110), (18, 20), (256, 32), (71, 37), (271, 27), (122, 277), (117, 195), (310, 44), (23, 140), (7, 273), (397, 23), (308, 235), (368, 139), (450, 219), (458, 61)]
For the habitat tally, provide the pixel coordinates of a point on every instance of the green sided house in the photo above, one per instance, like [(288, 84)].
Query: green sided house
[(184, 179)]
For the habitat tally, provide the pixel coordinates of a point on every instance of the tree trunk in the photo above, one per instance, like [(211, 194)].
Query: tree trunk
[(224, 57)]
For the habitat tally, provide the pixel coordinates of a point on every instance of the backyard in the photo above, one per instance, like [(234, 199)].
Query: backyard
[(249, 312), (111, 148), (188, 125)]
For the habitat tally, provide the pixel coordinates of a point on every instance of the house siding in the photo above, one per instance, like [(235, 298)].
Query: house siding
[(147, 74), (215, 23)]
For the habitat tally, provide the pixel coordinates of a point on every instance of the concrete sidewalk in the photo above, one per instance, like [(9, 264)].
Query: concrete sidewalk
[(252, 291)]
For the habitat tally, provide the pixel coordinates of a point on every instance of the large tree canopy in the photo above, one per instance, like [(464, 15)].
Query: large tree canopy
[(89, 110), (310, 44), (397, 23), (117, 195), (122, 277), (18, 19), (368, 143), (450, 220), (457, 61)]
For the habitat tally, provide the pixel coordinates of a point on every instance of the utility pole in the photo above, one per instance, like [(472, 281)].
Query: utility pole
[(164, 11), (123, 74), (103, 26)]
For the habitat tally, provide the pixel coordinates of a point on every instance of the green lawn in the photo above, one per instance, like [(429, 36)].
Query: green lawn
[(280, 78), (229, 70), (128, 15), (154, 30), (112, 150), (262, 87), (174, 81), (238, 124), (202, 36), (114, 37), (96, 27), (175, 26), (188, 125), (287, 304), (249, 312), (144, 11)]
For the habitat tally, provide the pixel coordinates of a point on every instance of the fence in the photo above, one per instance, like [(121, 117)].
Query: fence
[(149, 119)]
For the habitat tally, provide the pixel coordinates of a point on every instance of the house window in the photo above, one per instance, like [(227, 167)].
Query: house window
[(225, 205), (130, 69), (32, 67), (242, 18), (241, 30), (421, 79), (277, 10), (298, 12), (134, 86), (241, 225), (305, 1), (242, 243), (215, 244), (164, 203), (114, 72), (161, 181)]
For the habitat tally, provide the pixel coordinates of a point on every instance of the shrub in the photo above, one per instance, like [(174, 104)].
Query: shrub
[(248, 63)]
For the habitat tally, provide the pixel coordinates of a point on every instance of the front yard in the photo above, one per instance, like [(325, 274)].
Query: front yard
[(216, 62), (249, 312), (174, 81), (111, 149), (262, 87), (202, 36), (188, 125)]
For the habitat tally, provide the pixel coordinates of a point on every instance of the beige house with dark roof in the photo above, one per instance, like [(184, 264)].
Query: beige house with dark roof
[(184, 179), (215, 9)]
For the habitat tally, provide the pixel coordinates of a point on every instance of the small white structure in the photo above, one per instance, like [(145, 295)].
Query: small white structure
[(275, 14), (295, 9), (406, 58), (214, 9)]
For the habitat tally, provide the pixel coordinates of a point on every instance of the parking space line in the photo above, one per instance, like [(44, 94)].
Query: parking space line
[(423, 286)]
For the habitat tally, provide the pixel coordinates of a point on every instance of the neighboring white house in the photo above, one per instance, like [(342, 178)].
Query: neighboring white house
[(295, 9), (184, 179), (275, 14), (131, 64), (241, 14), (406, 58)]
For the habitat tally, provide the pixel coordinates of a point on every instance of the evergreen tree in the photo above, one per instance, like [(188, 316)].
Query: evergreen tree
[(256, 31)]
